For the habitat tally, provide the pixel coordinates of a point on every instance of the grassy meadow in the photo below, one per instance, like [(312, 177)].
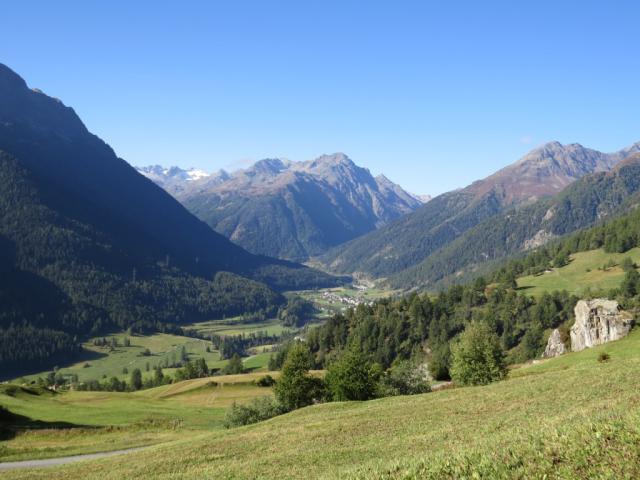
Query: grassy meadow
[(60, 424), (585, 271), (235, 326), (98, 362), (570, 417)]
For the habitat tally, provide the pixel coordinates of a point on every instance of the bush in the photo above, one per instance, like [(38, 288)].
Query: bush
[(604, 357), (266, 381), (259, 409), (403, 378), (477, 357), (352, 377)]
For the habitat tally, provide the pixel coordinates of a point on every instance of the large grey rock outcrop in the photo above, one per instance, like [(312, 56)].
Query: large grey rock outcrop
[(555, 345), (598, 321)]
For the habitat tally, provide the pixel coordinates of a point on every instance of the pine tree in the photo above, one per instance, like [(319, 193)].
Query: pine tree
[(136, 379), (477, 357), (295, 389)]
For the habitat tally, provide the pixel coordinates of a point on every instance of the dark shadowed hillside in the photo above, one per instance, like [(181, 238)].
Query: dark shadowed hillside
[(87, 244)]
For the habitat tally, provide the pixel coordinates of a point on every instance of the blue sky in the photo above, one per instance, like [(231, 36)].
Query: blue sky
[(433, 94)]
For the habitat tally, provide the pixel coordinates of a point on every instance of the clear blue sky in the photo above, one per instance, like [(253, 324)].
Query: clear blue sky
[(433, 94)]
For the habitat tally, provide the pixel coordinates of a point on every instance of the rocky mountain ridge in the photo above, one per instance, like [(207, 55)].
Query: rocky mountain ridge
[(316, 204), (412, 239)]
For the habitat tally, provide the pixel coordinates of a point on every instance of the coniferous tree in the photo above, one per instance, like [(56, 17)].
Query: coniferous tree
[(477, 357), (295, 388), (351, 377), (136, 379)]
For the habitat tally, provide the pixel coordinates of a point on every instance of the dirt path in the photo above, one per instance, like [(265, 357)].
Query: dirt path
[(50, 462)]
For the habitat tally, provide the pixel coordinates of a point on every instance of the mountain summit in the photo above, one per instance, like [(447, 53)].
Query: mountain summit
[(408, 241), (287, 209), (546, 171)]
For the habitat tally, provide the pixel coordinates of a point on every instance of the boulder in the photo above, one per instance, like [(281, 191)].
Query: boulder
[(598, 321), (555, 345)]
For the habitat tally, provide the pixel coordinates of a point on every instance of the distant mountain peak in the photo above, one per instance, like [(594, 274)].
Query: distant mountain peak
[(271, 166), (333, 159), (545, 171), (291, 209)]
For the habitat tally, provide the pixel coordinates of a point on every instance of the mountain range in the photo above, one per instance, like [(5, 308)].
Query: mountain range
[(592, 199), (285, 209), (413, 239), (88, 245)]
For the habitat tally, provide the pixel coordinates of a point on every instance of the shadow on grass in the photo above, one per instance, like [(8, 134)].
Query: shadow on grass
[(524, 287), (12, 423), (85, 356)]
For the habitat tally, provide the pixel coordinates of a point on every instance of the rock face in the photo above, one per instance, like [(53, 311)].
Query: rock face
[(555, 345), (598, 321)]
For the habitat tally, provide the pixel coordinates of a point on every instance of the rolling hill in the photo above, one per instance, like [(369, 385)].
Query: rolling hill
[(286, 209), (407, 242)]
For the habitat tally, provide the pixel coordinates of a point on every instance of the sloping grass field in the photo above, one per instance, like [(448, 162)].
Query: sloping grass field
[(236, 326), (100, 362), (571, 417), (85, 422), (583, 272)]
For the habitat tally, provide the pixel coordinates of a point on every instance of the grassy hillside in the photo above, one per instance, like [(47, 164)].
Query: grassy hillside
[(235, 326), (563, 418), (585, 271), (84, 422), (98, 362)]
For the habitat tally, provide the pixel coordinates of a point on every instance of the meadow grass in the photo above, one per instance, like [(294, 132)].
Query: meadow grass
[(582, 273), (85, 422), (235, 326), (570, 417), (98, 363), (104, 362)]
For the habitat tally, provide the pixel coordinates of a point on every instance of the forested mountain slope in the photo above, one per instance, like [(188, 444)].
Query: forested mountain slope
[(410, 240), (87, 244), (289, 209), (587, 201)]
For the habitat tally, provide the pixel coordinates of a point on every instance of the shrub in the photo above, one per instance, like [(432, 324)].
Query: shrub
[(259, 409), (403, 378), (477, 357), (604, 357), (627, 264), (266, 381)]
